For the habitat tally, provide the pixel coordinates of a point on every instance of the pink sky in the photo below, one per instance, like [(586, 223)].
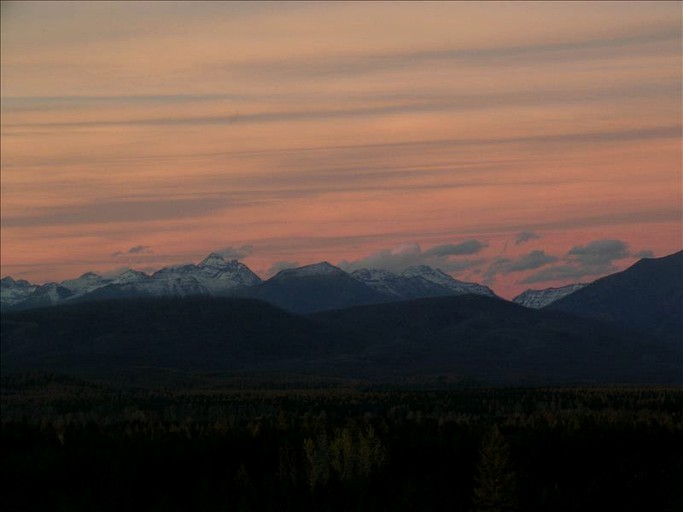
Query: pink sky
[(147, 134)]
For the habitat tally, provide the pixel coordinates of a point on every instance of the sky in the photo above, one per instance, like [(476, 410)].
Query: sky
[(519, 145)]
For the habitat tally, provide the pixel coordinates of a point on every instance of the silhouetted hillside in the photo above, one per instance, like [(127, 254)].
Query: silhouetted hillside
[(190, 334), (497, 341), (462, 338), (648, 296), (313, 288)]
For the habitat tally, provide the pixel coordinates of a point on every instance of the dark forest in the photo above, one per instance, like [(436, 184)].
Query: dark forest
[(69, 444)]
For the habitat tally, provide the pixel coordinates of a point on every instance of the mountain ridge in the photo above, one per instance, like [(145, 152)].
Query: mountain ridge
[(329, 286), (490, 340), (309, 288)]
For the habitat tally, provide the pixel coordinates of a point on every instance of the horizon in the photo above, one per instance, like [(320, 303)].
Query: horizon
[(265, 277), (517, 145)]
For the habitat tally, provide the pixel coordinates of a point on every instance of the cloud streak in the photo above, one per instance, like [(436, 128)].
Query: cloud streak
[(463, 248), (526, 236), (530, 261), (598, 252), (663, 37), (137, 249), (595, 258), (236, 253), (107, 212)]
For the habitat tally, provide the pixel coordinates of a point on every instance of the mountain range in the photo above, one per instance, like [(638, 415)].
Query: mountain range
[(624, 328), (316, 287), (306, 289)]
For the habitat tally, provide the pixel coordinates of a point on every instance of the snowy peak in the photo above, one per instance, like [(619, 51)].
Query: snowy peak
[(230, 273), (129, 276), (372, 274), (47, 294), (440, 278), (8, 282), (417, 282), (316, 269), (243, 275), (429, 273), (397, 286), (537, 299), (86, 283), (213, 276), (13, 292), (216, 276), (213, 260)]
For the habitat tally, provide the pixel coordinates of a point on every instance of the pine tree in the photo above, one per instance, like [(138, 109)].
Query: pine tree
[(318, 456), (496, 481)]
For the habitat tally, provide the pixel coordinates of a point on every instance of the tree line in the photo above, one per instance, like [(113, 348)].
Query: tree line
[(341, 449)]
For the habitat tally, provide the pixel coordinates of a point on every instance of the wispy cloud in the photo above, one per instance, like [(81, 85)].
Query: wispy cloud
[(137, 249), (595, 258), (562, 273), (648, 40), (598, 252), (526, 236), (105, 212), (530, 261), (462, 248), (20, 104), (236, 253), (426, 106)]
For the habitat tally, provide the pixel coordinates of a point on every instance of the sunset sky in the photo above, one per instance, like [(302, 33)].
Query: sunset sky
[(520, 145)]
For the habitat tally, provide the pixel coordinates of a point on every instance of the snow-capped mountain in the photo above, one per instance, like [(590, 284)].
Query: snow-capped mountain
[(130, 280), (87, 283), (48, 294), (213, 276), (441, 278), (399, 287), (219, 273), (537, 299), (303, 289), (13, 292), (381, 280), (129, 276), (316, 287), (316, 269)]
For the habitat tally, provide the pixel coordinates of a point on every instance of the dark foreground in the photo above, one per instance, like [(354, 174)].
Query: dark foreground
[(70, 445)]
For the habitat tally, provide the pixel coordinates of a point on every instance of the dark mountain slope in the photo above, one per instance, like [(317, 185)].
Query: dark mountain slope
[(498, 341), (465, 337), (195, 333), (647, 296), (311, 288)]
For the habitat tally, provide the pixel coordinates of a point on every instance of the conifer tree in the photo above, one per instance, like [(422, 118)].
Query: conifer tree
[(318, 456), (496, 482)]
